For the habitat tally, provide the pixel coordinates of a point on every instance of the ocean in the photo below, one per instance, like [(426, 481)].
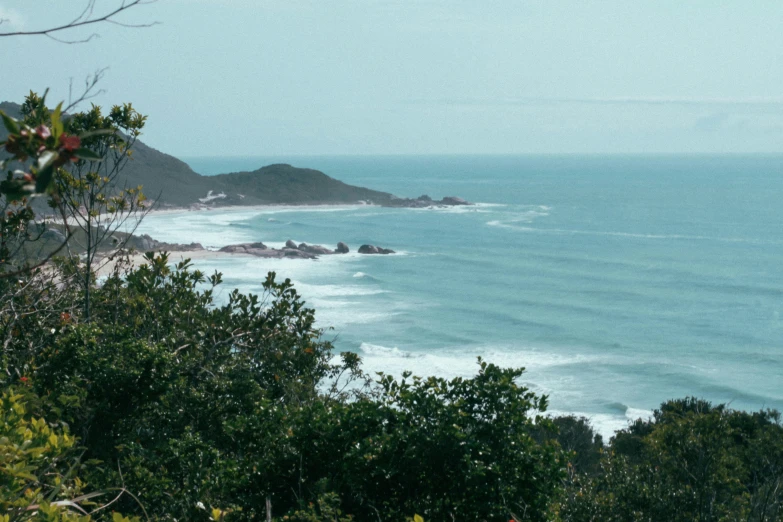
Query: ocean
[(618, 282)]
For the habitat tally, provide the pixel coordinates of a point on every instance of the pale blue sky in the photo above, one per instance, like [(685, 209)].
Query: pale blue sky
[(255, 77)]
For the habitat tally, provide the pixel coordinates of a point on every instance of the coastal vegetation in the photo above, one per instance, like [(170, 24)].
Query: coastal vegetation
[(145, 394)]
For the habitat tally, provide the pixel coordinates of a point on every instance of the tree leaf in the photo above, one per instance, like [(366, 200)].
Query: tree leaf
[(10, 123), (46, 158), (44, 177), (57, 124), (99, 132), (87, 154)]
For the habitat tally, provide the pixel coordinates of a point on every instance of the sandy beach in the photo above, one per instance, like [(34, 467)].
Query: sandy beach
[(106, 265)]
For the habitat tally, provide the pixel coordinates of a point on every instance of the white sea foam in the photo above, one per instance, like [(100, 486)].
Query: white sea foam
[(315, 291), (466, 209), (450, 363), (489, 205), (606, 424), (512, 225), (348, 313), (383, 351), (462, 361)]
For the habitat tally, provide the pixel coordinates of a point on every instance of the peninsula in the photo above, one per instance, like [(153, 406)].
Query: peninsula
[(172, 184)]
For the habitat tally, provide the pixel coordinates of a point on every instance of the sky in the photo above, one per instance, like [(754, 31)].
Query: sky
[(308, 77)]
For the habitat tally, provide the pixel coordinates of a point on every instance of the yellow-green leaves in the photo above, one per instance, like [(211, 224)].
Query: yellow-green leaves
[(57, 124), (10, 124)]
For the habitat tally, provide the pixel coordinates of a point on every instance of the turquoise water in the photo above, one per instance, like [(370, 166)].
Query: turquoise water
[(618, 282)]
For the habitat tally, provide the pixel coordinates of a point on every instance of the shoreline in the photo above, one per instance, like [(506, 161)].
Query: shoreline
[(107, 264), (269, 206), (55, 218), (135, 260)]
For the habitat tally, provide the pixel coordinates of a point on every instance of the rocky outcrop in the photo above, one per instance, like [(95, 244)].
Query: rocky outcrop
[(145, 243), (300, 251), (372, 249), (296, 253), (452, 201), (290, 250), (261, 250), (175, 247), (314, 249), (245, 248), (426, 202)]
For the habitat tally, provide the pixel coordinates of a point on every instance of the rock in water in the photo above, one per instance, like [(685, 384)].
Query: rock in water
[(372, 249), (290, 244), (293, 252), (143, 243), (244, 248), (424, 201), (232, 249), (342, 248), (315, 249)]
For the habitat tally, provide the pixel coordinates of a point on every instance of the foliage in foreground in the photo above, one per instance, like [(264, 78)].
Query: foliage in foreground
[(39, 465), (193, 405), (189, 403)]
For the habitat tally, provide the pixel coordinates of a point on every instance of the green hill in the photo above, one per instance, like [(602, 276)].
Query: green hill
[(174, 184)]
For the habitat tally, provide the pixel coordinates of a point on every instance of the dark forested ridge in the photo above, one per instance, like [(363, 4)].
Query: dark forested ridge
[(282, 183)]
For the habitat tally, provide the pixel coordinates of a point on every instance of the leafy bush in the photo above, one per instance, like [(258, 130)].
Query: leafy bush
[(38, 465), (237, 405), (461, 448), (692, 461)]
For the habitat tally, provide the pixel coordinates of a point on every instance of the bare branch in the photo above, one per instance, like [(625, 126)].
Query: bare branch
[(86, 14), (41, 262), (86, 18), (89, 91), (60, 40)]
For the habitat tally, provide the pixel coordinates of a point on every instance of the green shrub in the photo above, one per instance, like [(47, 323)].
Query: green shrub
[(692, 461), (38, 465)]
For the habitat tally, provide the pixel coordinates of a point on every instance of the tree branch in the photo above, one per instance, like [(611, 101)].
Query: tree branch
[(87, 18)]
